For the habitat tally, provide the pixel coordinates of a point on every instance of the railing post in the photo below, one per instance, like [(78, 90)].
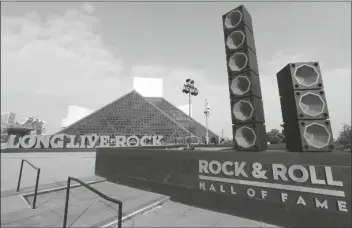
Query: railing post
[(20, 176), (36, 189), (119, 223), (67, 198), (96, 192)]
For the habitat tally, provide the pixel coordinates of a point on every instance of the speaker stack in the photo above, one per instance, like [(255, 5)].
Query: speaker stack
[(304, 108), (248, 123)]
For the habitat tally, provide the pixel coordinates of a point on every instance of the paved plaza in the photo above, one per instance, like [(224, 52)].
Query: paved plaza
[(140, 208), (54, 167)]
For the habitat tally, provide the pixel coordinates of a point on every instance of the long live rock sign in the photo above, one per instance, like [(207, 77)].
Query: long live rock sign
[(86, 141)]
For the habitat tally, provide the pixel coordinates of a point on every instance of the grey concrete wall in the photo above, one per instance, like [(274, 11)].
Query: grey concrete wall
[(176, 173)]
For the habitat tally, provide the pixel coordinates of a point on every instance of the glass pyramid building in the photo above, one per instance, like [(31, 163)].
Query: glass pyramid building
[(133, 114)]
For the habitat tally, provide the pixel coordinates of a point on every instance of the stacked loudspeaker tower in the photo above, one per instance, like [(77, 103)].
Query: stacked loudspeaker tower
[(304, 108), (248, 121)]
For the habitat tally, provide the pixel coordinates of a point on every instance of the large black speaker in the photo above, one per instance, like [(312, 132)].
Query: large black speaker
[(249, 137), (304, 104), (237, 18), (308, 135), (304, 108), (247, 110), (239, 38), (245, 84), (241, 61), (299, 76)]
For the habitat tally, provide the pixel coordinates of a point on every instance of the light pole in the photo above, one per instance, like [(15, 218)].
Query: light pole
[(207, 113), (190, 89)]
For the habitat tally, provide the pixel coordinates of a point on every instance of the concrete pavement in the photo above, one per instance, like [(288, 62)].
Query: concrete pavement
[(54, 167), (86, 208), (173, 214)]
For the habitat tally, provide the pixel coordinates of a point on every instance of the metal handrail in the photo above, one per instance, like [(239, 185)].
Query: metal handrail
[(96, 192), (36, 183)]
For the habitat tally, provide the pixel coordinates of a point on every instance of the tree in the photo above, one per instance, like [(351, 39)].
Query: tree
[(271, 135), (213, 140), (282, 136), (344, 138), (275, 136)]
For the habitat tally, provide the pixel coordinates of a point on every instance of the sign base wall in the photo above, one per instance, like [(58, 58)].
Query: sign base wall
[(177, 174)]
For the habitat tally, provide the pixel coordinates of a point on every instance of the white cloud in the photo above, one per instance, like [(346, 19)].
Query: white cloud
[(62, 56), (337, 84), (58, 57), (88, 8), (62, 51), (149, 71), (281, 59)]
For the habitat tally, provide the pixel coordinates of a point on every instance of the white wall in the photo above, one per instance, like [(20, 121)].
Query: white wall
[(185, 109), (148, 87)]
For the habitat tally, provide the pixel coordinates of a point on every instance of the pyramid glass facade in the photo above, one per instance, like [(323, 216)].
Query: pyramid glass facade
[(134, 114), (182, 118)]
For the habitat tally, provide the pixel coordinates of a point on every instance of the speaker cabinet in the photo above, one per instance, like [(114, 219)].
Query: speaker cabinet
[(244, 85), (308, 135), (247, 109), (249, 137), (236, 18), (304, 108), (239, 38), (299, 76), (304, 104), (241, 61)]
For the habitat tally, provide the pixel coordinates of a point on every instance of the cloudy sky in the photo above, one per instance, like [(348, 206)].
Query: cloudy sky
[(58, 54)]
